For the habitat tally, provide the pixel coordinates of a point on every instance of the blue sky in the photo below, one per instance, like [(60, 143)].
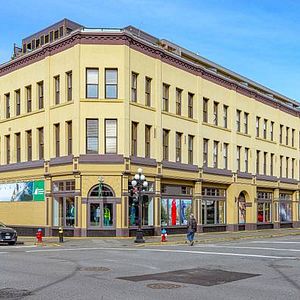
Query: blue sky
[(258, 39)]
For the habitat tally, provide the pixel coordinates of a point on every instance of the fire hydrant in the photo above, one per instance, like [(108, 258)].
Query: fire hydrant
[(164, 235), (61, 234), (39, 236)]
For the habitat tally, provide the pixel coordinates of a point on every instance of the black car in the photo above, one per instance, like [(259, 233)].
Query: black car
[(7, 235)]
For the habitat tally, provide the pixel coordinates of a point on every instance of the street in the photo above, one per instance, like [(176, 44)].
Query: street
[(103, 269)]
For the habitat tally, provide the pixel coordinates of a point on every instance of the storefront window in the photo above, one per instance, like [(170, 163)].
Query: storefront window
[(94, 214), (64, 211), (242, 209), (147, 211), (70, 212), (285, 207), (264, 207), (175, 211), (107, 214), (213, 212)]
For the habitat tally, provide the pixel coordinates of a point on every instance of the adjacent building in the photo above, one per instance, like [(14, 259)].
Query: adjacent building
[(82, 109)]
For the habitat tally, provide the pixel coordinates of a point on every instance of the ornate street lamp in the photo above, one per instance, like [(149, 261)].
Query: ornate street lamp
[(139, 183)]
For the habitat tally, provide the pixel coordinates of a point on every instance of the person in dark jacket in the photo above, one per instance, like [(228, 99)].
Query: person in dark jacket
[(192, 228)]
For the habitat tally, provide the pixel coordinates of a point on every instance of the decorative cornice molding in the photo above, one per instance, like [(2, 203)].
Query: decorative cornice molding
[(22, 166)]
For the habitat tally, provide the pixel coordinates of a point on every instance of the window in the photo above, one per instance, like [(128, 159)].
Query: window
[(238, 158), (215, 116), (56, 34), (280, 134), (42, 38), (29, 144), (287, 136), (246, 118), (293, 137), (69, 86), (29, 98), (147, 140), (61, 31), (264, 211), (64, 212), (92, 81), (7, 105), (215, 154), (205, 110), (47, 39), (166, 89), (238, 120), (265, 128), (225, 155), (57, 139), (18, 102), (272, 131), (257, 161), (92, 131), (246, 160), (18, 146), (293, 168), (41, 94), (111, 83), (205, 152), (225, 116), (148, 91), (287, 167), (69, 137), (178, 146), (190, 105), (281, 166), (41, 142), (57, 89), (166, 144), (272, 164), (265, 163), (7, 141), (134, 77), (178, 101), (111, 137), (190, 149), (257, 126), (134, 127)]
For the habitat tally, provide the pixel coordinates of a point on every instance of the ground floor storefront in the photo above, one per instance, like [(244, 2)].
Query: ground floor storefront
[(97, 200)]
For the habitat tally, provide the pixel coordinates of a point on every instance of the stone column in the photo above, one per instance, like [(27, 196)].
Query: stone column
[(275, 210)]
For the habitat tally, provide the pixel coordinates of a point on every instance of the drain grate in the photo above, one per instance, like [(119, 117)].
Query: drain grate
[(10, 293), (161, 286), (94, 269)]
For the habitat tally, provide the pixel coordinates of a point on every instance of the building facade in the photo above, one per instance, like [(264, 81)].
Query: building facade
[(82, 109)]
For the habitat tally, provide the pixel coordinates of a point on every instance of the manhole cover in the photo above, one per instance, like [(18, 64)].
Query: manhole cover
[(167, 286), (13, 293), (94, 269)]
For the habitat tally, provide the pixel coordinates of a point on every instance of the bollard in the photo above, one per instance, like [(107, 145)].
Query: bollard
[(61, 234)]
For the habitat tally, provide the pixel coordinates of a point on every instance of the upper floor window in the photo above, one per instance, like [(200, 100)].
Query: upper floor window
[(7, 105), (190, 149), (166, 144), (92, 134), (215, 154), (111, 137), (92, 81), (69, 137), (246, 160), (7, 140), (178, 146), (57, 139), (41, 142), (238, 120), (205, 152), (225, 116), (272, 164), (272, 131), (40, 86), (257, 161), (265, 163), (257, 126), (178, 101), (265, 128), (134, 129), (134, 77), (29, 144), (29, 98), (225, 155), (281, 134), (18, 146), (238, 158), (166, 89), (205, 110), (293, 137), (190, 105), (287, 135), (147, 140), (148, 91), (111, 83), (215, 119), (57, 89), (18, 102), (246, 120), (69, 85)]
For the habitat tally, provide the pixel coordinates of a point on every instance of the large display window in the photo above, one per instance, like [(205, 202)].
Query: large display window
[(285, 207), (64, 213), (213, 206), (264, 207)]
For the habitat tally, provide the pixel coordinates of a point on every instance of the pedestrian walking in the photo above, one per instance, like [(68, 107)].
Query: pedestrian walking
[(192, 228)]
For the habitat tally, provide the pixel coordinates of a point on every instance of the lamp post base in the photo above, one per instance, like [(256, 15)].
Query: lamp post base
[(139, 238)]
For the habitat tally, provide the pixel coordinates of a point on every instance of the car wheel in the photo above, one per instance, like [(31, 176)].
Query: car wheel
[(11, 243)]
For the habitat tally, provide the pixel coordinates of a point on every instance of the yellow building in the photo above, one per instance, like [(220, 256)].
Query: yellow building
[(82, 109)]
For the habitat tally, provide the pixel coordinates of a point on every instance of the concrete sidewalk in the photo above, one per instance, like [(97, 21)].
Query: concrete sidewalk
[(211, 237)]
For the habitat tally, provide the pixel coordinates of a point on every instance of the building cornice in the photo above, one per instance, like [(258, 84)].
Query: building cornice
[(155, 51)]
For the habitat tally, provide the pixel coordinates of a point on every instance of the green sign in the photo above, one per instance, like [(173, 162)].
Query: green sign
[(38, 190)]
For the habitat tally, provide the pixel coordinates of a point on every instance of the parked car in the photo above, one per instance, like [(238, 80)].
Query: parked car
[(7, 235)]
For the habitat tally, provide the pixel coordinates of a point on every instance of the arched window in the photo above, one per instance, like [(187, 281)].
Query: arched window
[(106, 191)]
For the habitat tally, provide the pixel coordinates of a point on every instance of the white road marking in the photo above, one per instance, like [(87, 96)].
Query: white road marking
[(243, 247), (3, 252), (273, 242), (165, 250), (17, 247)]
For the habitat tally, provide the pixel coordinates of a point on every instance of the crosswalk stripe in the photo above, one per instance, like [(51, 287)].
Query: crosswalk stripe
[(244, 247)]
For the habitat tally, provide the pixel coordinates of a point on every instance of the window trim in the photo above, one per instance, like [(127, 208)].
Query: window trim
[(109, 84), (91, 84)]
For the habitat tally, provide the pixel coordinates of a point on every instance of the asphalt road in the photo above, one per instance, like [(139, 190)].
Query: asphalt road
[(246, 269)]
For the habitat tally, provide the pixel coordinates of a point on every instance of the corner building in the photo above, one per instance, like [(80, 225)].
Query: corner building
[(82, 109)]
